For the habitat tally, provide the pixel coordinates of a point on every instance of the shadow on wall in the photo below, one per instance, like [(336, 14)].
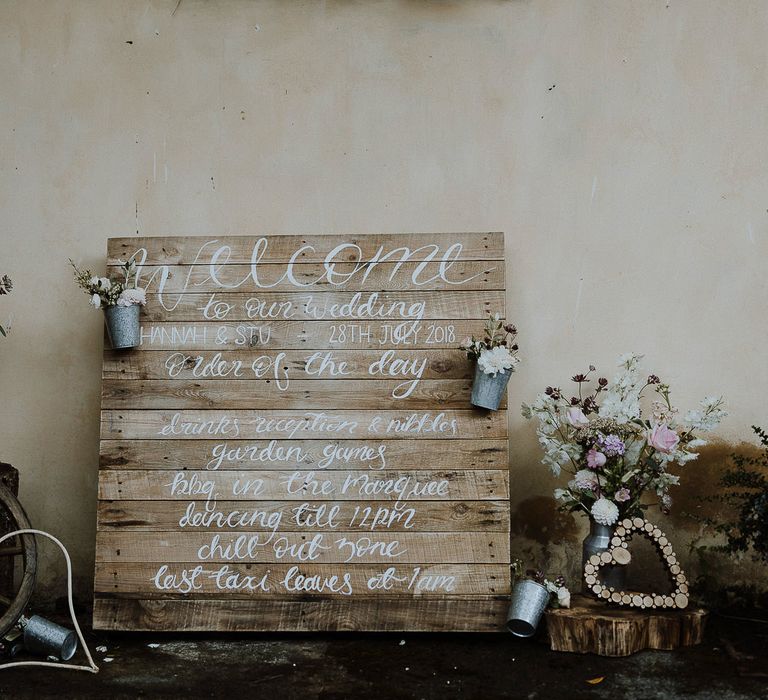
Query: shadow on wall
[(538, 519)]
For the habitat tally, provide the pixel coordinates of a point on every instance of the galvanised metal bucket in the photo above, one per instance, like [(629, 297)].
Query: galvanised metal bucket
[(44, 637), (488, 390), (599, 540), (529, 600), (123, 327)]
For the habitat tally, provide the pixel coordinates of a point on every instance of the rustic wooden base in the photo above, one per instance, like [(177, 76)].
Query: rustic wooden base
[(592, 627)]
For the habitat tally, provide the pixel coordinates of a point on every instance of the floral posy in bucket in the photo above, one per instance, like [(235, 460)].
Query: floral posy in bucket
[(121, 300), (531, 595), (496, 357)]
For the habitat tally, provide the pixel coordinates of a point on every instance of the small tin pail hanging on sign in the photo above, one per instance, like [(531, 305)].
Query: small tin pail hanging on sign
[(488, 389), (529, 600), (123, 327)]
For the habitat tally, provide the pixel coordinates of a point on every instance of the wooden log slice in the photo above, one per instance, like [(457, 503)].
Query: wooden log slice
[(589, 626), (622, 556)]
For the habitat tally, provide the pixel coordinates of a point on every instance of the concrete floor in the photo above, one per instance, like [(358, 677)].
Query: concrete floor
[(731, 664)]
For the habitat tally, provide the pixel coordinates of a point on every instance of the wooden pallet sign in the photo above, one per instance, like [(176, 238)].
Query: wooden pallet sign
[(292, 446)]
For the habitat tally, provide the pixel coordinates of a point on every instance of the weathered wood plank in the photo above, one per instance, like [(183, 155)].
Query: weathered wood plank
[(176, 280), (279, 424), (173, 250), (457, 614), (244, 364), (314, 454), (304, 485), (306, 335), (326, 306), (287, 581), (260, 516), (330, 548), (264, 394)]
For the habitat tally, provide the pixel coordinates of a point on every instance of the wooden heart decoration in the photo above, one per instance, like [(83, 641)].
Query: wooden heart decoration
[(618, 553)]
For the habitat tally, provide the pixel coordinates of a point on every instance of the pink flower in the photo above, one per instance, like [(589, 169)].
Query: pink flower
[(621, 495), (576, 417), (663, 438), (595, 459)]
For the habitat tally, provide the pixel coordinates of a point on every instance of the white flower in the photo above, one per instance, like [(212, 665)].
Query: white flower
[(604, 511), (104, 283), (622, 400), (629, 359), (709, 415), (95, 301), (585, 480), (632, 449), (557, 454), (563, 597), (621, 408), (551, 587), (496, 360), (130, 297)]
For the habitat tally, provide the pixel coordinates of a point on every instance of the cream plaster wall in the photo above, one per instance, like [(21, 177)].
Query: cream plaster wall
[(621, 145)]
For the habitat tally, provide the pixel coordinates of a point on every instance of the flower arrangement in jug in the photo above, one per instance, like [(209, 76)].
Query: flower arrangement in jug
[(613, 449), (105, 292), (496, 352)]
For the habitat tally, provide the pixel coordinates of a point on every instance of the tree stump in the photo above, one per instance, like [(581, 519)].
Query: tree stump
[(592, 627)]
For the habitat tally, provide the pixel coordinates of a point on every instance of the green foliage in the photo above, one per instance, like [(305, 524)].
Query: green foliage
[(103, 291), (745, 497), (6, 285)]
